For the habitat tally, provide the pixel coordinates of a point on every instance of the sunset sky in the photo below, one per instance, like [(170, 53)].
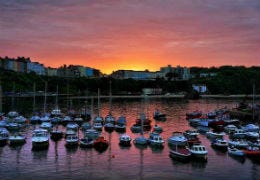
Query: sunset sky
[(132, 34)]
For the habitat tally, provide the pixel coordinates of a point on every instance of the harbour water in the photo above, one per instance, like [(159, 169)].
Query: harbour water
[(132, 162)]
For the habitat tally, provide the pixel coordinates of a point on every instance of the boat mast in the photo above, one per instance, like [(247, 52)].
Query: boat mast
[(56, 101), (91, 115), (34, 90), (45, 98), (253, 108), (98, 103), (1, 102), (110, 97)]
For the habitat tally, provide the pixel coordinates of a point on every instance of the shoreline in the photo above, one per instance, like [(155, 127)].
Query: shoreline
[(238, 96)]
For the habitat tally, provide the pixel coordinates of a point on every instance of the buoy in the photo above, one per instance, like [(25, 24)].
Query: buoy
[(113, 156)]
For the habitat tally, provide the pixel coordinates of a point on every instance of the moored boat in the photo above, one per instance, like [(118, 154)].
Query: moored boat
[(220, 144), (86, 142), (238, 143), (155, 140), (125, 140), (235, 151), (91, 133), (198, 151), (182, 154), (157, 115), (253, 152), (56, 134), (194, 114), (214, 135), (100, 144), (16, 139), (177, 138), (4, 134), (157, 129), (40, 139), (72, 141)]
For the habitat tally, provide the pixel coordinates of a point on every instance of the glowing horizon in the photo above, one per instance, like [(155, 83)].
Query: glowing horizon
[(132, 35)]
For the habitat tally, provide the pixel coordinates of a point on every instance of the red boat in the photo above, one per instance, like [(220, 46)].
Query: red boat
[(100, 144), (252, 152), (194, 114)]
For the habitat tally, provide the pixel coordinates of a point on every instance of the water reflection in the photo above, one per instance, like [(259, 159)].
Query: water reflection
[(199, 164), (136, 161), (40, 155), (239, 159)]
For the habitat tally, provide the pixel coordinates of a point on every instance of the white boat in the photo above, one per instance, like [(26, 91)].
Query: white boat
[(13, 126), (86, 142), (70, 132), (46, 125), (199, 151), (72, 126), (45, 118), (155, 139), (214, 135), (91, 133), (16, 139), (235, 152), (178, 139), (125, 140), (56, 112), (230, 128), (72, 140), (252, 135), (238, 143), (20, 119), (238, 133), (35, 119), (66, 120), (98, 119), (250, 128), (40, 139), (12, 114), (98, 126), (109, 126), (220, 144), (4, 134), (191, 133)]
